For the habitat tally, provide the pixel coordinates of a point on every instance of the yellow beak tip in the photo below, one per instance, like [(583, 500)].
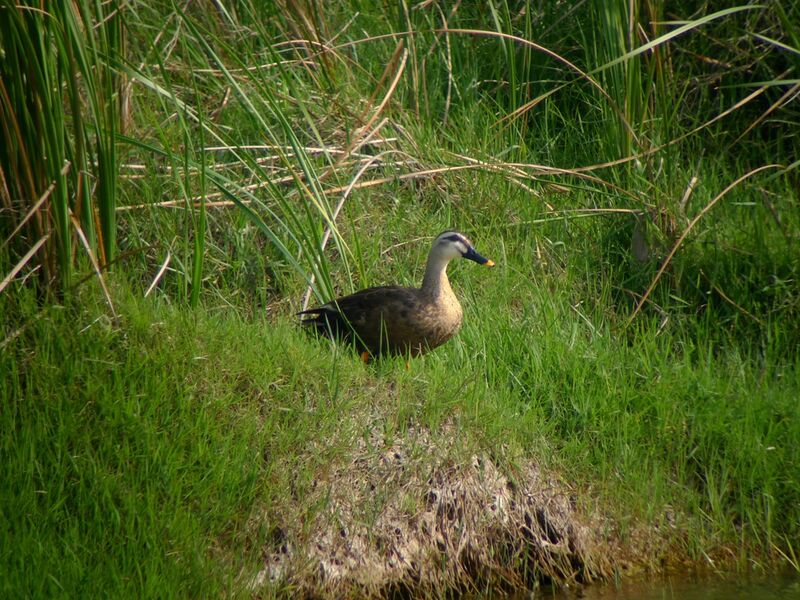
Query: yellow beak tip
[(489, 263)]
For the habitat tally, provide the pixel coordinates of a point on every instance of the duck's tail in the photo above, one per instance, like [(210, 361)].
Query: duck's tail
[(327, 321)]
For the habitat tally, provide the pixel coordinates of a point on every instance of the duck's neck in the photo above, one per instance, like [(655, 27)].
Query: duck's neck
[(435, 284)]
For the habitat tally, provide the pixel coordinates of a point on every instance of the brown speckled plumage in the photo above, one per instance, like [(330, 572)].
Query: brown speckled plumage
[(398, 320)]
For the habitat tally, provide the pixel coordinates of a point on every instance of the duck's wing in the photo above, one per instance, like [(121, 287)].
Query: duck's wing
[(363, 313)]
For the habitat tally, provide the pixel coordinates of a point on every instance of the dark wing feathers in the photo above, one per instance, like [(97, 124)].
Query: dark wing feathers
[(364, 313)]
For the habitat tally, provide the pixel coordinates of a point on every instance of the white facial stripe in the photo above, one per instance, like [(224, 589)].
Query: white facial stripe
[(452, 236), (456, 240)]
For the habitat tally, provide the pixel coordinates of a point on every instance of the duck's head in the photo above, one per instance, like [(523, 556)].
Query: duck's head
[(452, 244)]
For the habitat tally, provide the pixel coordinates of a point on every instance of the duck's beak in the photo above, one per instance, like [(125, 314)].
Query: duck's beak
[(472, 254)]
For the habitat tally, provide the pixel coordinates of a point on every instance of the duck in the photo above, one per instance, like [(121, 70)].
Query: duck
[(397, 320)]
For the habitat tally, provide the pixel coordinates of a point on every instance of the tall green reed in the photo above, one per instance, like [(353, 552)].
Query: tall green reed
[(59, 105), (270, 174)]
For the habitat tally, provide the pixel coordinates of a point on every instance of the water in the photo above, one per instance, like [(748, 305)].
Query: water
[(762, 587)]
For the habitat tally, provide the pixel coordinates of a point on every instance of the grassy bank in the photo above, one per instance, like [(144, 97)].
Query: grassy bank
[(160, 455), (167, 429)]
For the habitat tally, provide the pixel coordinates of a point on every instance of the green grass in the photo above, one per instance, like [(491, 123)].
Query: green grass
[(140, 454), (156, 453), (135, 455)]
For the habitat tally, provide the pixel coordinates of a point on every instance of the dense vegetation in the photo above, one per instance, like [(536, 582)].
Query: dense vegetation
[(175, 176)]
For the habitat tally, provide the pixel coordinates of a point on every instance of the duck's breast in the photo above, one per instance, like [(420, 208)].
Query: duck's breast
[(426, 325)]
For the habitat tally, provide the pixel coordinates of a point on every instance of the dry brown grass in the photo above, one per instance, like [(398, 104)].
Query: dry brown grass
[(416, 515)]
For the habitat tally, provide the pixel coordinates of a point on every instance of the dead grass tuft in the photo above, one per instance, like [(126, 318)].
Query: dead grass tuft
[(417, 515)]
